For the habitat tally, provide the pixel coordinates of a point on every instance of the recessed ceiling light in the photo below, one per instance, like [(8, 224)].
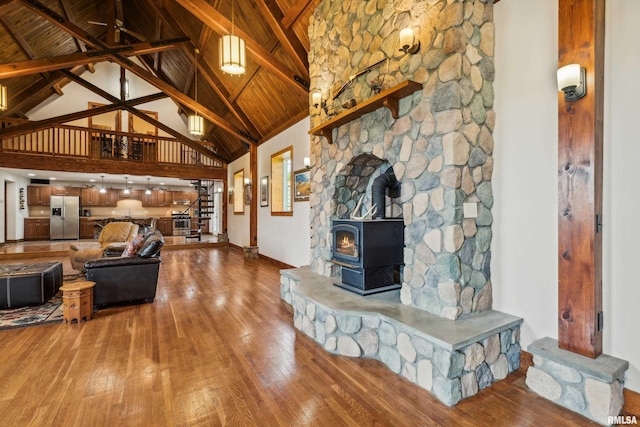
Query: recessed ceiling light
[(31, 174), (162, 183), (52, 179), (92, 180)]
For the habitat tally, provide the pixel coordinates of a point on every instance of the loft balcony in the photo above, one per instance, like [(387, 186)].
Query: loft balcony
[(84, 149)]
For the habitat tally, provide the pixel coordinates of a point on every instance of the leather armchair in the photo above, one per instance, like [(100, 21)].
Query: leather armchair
[(111, 242), (122, 280)]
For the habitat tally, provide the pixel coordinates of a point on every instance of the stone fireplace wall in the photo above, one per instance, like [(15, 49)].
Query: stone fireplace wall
[(440, 147)]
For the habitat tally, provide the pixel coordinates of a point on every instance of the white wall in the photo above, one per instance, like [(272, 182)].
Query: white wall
[(14, 224), (524, 261), (284, 238), (238, 224), (273, 231), (107, 78)]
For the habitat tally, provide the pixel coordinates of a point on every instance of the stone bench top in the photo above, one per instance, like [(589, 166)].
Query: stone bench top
[(449, 334), (604, 367)]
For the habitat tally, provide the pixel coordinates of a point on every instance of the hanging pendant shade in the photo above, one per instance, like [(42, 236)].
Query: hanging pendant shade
[(196, 125), (4, 100), (232, 54)]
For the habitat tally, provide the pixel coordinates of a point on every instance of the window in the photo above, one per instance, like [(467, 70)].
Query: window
[(238, 192), (281, 182)]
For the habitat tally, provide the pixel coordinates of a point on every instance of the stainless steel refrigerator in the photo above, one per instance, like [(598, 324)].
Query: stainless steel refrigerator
[(65, 217)]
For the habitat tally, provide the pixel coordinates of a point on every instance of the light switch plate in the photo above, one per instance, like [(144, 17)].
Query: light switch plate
[(470, 210)]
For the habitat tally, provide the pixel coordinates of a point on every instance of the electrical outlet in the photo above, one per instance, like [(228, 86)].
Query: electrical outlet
[(470, 210)]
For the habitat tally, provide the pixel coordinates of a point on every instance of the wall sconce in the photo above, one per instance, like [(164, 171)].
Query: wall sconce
[(571, 81), (316, 101), (408, 42), (4, 100), (306, 162), (126, 88)]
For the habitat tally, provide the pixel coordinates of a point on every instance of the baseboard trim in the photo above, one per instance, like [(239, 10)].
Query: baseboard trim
[(274, 262), (631, 398)]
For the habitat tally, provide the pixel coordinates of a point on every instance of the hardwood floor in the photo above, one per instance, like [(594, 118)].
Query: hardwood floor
[(218, 347)]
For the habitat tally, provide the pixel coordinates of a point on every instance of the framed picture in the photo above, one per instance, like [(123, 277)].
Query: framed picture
[(301, 185), (238, 191), (264, 191)]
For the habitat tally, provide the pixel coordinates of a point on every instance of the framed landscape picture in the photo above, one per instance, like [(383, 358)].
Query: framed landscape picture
[(301, 185), (264, 191)]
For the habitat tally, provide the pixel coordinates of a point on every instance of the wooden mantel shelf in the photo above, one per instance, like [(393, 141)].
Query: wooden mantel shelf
[(389, 98)]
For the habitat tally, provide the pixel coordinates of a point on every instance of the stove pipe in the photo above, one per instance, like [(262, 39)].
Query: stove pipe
[(379, 190)]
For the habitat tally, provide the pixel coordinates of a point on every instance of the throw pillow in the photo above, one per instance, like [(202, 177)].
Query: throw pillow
[(132, 247)]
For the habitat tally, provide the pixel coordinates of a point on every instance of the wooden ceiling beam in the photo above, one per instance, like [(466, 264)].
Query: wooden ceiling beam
[(286, 37), (35, 91), (294, 13), (210, 75), (183, 139), (68, 12), (63, 23), (20, 40), (218, 23), (45, 123), (157, 57), (25, 68), (182, 98)]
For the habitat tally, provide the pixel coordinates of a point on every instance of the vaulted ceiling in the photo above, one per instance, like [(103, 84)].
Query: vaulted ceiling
[(45, 44)]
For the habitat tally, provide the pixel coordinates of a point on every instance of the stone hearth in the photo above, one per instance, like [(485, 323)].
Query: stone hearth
[(451, 359)]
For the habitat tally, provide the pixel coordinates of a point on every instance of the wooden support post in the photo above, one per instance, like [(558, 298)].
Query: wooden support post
[(581, 41), (253, 211)]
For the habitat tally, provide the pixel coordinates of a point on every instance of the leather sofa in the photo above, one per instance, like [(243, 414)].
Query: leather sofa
[(111, 242), (123, 280)]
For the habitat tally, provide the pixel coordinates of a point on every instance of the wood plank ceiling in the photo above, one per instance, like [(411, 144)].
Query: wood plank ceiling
[(41, 41)]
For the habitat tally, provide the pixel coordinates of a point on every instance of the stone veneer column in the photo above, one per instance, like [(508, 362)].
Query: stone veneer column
[(440, 147)]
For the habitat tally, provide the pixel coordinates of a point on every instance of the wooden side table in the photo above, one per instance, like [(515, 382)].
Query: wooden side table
[(77, 301)]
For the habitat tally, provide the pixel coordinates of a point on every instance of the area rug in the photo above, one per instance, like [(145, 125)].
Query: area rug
[(49, 312)]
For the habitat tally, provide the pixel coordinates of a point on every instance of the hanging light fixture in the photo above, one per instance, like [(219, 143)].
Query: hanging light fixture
[(126, 185), (231, 50), (102, 189), (4, 100), (196, 123), (148, 190)]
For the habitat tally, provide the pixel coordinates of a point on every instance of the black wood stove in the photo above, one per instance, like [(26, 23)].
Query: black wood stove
[(369, 253)]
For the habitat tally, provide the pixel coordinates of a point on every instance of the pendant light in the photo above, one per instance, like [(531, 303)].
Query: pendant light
[(231, 50), (148, 190), (102, 189), (126, 185), (196, 123), (4, 100)]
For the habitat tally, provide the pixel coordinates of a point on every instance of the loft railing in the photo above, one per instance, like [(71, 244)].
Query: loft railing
[(94, 143)]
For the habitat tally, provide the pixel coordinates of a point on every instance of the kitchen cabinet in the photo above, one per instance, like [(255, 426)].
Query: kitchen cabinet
[(180, 197), (38, 195), (93, 197), (36, 228), (150, 200), (157, 199), (87, 228), (164, 198), (133, 194), (66, 191), (165, 225)]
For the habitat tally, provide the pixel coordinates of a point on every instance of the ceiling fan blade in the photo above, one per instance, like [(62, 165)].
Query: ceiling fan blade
[(97, 23), (134, 34)]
